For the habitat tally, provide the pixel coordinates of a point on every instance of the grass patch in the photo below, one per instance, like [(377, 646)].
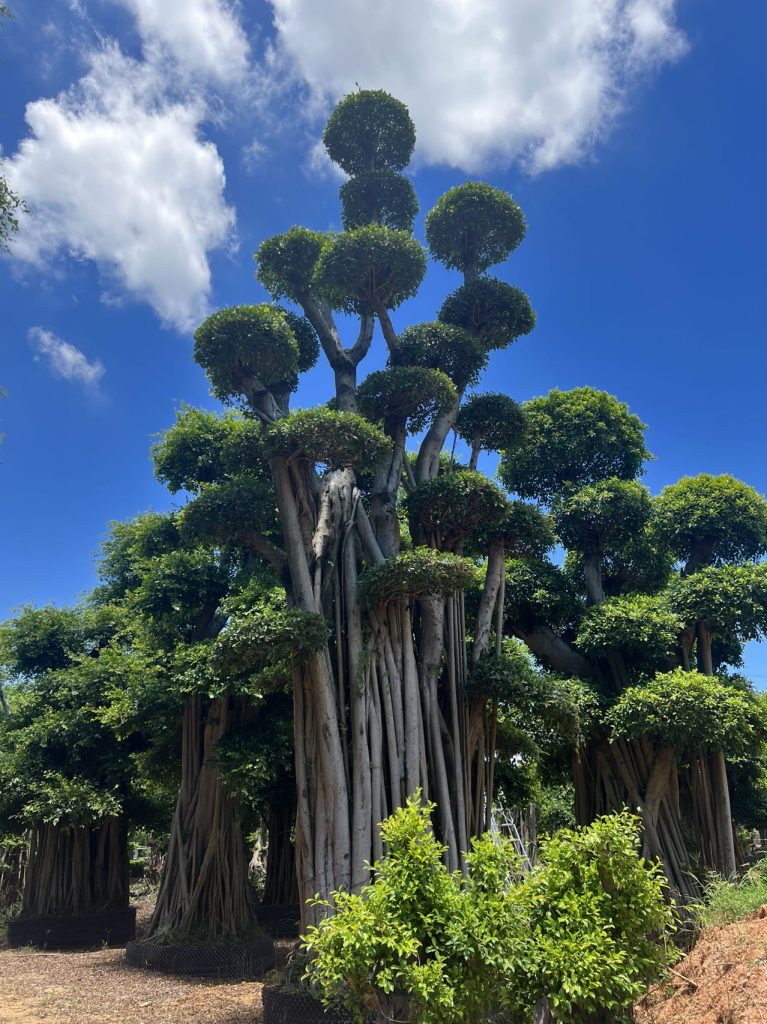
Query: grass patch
[(726, 902)]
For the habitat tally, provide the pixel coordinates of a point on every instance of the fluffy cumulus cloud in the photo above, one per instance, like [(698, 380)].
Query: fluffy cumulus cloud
[(63, 359), (115, 171), (202, 37), (488, 82)]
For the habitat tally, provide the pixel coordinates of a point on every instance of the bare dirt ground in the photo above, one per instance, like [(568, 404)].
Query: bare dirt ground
[(99, 988), (722, 981)]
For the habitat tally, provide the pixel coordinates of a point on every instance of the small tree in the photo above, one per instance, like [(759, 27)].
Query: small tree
[(64, 773)]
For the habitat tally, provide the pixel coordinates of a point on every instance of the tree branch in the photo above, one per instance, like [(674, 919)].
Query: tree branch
[(387, 327), (360, 348), (555, 652), (270, 552), (319, 315)]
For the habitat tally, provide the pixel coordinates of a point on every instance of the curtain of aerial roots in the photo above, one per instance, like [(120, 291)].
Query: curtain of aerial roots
[(673, 802), (76, 870), (280, 885), (204, 885), (13, 866), (382, 710), (386, 715)]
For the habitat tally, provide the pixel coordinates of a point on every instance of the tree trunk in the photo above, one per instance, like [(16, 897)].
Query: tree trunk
[(729, 866), (204, 886)]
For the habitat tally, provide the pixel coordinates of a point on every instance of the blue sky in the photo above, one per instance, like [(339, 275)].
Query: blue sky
[(156, 151)]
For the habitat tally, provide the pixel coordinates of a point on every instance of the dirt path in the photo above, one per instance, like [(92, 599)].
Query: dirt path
[(99, 988)]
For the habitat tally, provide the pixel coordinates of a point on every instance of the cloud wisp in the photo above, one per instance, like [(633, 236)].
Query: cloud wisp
[(63, 359), (489, 82)]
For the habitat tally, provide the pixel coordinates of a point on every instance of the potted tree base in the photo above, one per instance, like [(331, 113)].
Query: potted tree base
[(113, 927), (246, 959), (286, 1005)]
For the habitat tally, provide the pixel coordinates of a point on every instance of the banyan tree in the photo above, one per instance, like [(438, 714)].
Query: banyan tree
[(375, 542), (65, 776), (651, 609), (404, 571)]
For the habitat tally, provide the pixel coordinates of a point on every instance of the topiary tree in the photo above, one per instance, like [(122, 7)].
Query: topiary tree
[(373, 540), (219, 634), (319, 495), (618, 612)]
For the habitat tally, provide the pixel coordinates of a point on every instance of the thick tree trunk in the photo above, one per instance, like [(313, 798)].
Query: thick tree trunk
[(204, 886)]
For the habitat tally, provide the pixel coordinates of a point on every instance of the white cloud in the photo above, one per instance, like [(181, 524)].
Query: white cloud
[(487, 81), (115, 172), (63, 359), (203, 37)]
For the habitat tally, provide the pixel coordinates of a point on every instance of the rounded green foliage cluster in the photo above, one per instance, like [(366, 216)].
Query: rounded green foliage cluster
[(231, 510), (368, 268), (422, 572), (473, 226), (691, 713), (129, 547), (306, 338), (191, 452), (245, 349), (285, 263), (378, 197), (607, 513), (718, 518), (443, 347), (266, 636), (406, 394), (40, 639), (370, 130), (202, 448), (491, 421), (501, 677), (453, 505), (539, 592), (573, 439), (60, 762), (640, 626), (732, 599), (526, 531), (175, 588), (328, 437), (495, 312)]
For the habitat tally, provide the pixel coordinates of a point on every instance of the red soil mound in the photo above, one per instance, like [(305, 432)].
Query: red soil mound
[(722, 981)]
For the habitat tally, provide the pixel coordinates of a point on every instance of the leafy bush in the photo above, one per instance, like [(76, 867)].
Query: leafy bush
[(586, 930)]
